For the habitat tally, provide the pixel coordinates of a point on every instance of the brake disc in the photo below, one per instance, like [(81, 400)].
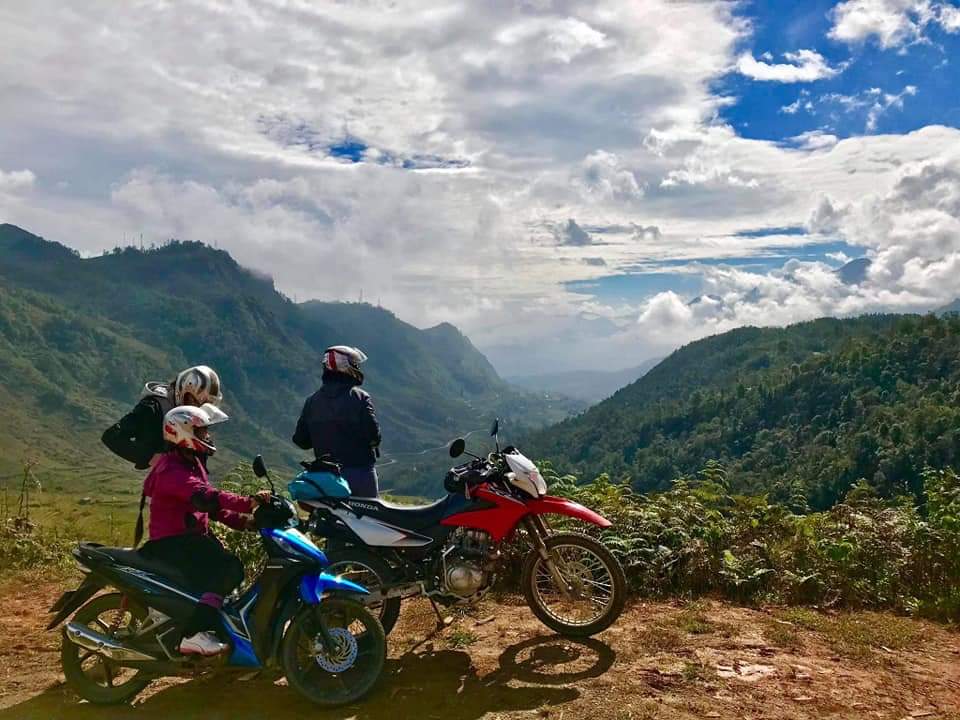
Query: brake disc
[(344, 654)]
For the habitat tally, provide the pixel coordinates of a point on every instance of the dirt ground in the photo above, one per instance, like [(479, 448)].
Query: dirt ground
[(677, 661)]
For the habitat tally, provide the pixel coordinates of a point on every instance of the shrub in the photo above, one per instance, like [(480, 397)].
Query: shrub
[(697, 539)]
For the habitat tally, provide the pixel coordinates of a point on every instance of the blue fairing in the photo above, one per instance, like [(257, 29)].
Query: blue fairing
[(298, 541), (317, 485), (236, 619), (312, 587), (243, 654)]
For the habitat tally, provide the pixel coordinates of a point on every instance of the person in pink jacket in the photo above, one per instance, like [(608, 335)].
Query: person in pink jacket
[(182, 504)]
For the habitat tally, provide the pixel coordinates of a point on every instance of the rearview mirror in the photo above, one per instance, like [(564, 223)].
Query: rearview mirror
[(259, 469), (457, 447), (495, 428)]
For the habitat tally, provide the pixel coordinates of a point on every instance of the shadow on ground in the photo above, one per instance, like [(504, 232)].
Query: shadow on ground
[(438, 684)]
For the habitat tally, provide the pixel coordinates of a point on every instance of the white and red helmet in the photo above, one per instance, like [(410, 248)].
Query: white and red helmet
[(187, 426), (344, 359), (201, 383)]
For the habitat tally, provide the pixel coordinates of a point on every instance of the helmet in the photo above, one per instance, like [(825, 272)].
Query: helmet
[(201, 382), (344, 359), (186, 427)]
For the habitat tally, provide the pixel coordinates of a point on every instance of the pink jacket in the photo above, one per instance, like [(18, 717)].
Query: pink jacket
[(182, 500)]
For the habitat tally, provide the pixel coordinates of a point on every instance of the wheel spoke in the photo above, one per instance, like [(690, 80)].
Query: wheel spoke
[(583, 570)]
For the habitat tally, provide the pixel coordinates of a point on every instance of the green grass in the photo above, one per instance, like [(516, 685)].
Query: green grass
[(858, 634), (459, 639), (782, 636), (693, 620)]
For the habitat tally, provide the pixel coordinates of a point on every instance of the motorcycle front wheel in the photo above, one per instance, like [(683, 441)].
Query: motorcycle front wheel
[(595, 587), (334, 652)]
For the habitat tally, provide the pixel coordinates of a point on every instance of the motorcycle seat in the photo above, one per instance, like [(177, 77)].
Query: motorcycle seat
[(408, 517), (133, 558)]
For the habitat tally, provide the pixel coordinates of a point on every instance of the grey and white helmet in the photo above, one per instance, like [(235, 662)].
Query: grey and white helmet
[(197, 385)]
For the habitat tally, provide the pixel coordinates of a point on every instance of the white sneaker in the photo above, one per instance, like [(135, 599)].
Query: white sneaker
[(203, 643)]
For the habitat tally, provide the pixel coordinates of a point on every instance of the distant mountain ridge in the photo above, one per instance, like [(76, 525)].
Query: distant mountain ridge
[(78, 337), (590, 386), (953, 307)]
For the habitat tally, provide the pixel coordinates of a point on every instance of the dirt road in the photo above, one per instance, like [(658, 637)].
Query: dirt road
[(705, 660)]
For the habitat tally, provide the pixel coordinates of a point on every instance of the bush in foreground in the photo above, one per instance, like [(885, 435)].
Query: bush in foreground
[(697, 539)]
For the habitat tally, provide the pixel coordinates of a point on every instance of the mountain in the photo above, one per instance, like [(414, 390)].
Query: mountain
[(79, 336), (590, 386), (953, 307), (800, 412), (855, 271)]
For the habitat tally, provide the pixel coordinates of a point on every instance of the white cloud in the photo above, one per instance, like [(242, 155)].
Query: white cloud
[(815, 140), (825, 217), (885, 102), (573, 234), (801, 66), (559, 39), (912, 233), (482, 131), (892, 22), (16, 180), (875, 101), (602, 177)]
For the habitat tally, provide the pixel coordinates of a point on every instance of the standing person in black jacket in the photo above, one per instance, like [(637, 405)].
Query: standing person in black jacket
[(338, 420), (138, 436)]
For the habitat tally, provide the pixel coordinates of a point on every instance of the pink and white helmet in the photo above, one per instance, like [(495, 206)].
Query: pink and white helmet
[(199, 382), (187, 426), (344, 359)]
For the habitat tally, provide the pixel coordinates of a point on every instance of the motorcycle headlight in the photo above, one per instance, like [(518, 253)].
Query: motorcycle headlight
[(538, 481), (289, 548)]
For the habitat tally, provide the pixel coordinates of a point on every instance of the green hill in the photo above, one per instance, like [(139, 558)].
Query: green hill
[(800, 412), (79, 337)]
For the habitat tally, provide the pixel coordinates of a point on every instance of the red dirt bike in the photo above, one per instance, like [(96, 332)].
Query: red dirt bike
[(449, 551)]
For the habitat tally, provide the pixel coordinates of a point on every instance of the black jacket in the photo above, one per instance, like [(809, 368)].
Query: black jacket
[(139, 434), (339, 420)]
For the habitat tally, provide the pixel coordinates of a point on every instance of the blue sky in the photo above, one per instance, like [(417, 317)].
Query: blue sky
[(780, 27), (540, 173)]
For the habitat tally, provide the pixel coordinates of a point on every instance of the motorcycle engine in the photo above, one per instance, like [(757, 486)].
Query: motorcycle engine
[(468, 564)]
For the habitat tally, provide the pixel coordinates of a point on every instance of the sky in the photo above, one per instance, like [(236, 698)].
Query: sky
[(573, 184)]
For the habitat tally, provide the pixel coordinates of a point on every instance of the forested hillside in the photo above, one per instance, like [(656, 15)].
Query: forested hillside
[(78, 338), (801, 412)]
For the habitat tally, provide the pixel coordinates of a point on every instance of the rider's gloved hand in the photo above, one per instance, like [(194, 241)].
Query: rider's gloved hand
[(261, 498)]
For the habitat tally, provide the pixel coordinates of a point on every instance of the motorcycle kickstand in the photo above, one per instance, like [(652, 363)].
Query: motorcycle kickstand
[(442, 621)]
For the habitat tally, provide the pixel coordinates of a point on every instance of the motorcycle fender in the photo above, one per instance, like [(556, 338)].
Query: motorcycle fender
[(284, 616), (549, 505), (313, 587), (72, 600)]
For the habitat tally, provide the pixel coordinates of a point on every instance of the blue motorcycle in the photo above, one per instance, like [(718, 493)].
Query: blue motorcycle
[(295, 616)]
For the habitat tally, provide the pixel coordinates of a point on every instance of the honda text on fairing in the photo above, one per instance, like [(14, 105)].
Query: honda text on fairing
[(294, 615), (450, 550)]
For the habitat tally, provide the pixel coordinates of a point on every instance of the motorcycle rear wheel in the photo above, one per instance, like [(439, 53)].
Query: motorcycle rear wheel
[(369, 571), (92, 676), (591, 569)]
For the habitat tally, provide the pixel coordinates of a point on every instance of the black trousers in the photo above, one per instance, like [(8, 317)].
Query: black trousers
[(203, 561), (208, 568)]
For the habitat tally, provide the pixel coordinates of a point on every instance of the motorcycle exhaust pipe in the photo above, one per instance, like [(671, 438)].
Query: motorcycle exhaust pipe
[(91, 640)]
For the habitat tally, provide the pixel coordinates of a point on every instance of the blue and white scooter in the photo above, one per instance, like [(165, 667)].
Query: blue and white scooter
[(294, 615)]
